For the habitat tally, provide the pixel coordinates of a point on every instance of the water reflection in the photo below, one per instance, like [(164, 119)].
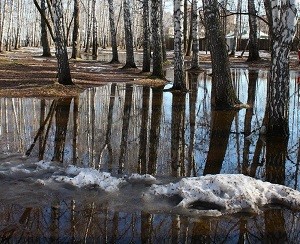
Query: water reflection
[(126, 129)]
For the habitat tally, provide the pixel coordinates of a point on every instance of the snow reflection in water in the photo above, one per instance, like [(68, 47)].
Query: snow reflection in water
[(132, 129)]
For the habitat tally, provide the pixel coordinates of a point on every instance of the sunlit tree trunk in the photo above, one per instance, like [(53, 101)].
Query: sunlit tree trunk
[(18, 27), (76, 32), (284, 19), (195, 47), (156, 39), (128, 36), (146, 37), (3, 6), (64, 74), (113, 33), (44, 34), (253, 41), (179, 77), (225, 97)]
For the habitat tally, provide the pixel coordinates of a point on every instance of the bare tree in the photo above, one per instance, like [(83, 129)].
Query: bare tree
[(113, 33), (130, 63), (156, 39), (76, 32), (253, 41), (179, 77), (224, 94), (44, 33), (283, 15)]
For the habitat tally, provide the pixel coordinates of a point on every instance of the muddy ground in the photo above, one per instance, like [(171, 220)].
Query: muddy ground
[(24, 73)]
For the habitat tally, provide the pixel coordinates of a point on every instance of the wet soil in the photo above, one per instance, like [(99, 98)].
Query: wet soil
[(24, 73)]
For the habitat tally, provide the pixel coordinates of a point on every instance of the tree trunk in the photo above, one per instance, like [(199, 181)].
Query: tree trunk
[(179, 77), (146, 37), (162, 32), (195, 47), (185, 23), (95, 28), (113, 33), (44, 34), (128, 36), (284, 18), (76, 33), (156, 39), (225, 97), (253, 42), (2, 22), (64, 74)]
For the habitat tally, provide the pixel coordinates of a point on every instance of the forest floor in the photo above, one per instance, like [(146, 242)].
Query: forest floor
[(24, 73)]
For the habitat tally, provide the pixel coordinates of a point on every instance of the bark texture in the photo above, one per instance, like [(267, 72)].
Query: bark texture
[(64, 74), (76, 33), (156, 39), (253, 41), (179, 77), (284, 19), (130, 63), (224, 94), (146, 37), (44, 34), (113, 33)]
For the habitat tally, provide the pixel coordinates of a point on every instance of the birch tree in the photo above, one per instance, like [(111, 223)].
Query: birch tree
[(225, 97), (179, 78), (156, 39), (283, 14), (130, 63), (59, 38), (113, 33)]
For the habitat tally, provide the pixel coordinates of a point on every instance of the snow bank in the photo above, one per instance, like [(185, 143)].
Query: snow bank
[(86, 176), (228, 192)]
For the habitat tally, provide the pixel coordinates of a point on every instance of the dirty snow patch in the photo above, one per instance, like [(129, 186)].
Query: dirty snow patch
[(228, 193)]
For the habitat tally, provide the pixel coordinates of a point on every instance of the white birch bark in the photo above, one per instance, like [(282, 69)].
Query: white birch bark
[(179, 79), (64, 75), (284, 16), (156, 39), (130, 63)]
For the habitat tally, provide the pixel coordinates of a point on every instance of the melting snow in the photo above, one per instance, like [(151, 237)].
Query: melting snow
[(222, 193), (229, 192)]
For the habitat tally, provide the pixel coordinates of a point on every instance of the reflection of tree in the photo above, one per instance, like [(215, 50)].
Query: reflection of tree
[(146, 227), (276, 154), (253, 76), (220, 130), (125, 126), (54, 223), (142, 163), (62, 112), (193, 80), (177, 134), (156, 111), (107, 143), (75, 128)]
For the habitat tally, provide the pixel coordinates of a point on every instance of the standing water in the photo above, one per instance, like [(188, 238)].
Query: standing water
[(83, 168)]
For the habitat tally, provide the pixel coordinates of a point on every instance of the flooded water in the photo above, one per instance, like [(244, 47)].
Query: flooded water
[(125, 129)]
